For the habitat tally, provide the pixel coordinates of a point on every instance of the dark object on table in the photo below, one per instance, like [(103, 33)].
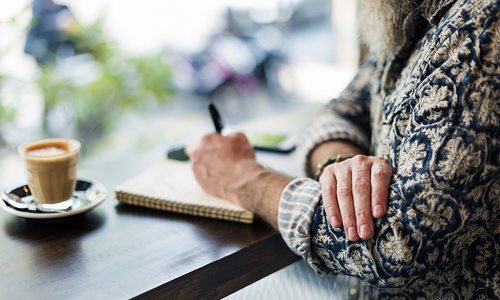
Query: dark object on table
[(177, 153)]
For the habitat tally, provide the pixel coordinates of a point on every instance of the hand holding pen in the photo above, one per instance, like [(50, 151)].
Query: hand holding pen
[(179, 153)]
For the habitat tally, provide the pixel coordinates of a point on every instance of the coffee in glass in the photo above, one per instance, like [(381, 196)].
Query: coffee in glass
[(50, 166)]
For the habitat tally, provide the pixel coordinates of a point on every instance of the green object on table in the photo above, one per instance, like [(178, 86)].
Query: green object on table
[(266, 140), (177, 153)]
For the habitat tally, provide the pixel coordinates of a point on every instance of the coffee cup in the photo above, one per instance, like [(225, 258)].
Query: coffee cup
[(50, 167)]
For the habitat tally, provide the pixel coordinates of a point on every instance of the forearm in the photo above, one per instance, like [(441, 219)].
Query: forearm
[(259, 190), (330, 149), (328, 136)]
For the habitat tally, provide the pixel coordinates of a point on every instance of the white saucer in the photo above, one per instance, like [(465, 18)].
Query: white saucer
[(86, 196)]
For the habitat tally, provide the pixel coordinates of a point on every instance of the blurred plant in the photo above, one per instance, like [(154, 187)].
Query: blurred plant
[(7, 112), (6, 115), (88, 91)]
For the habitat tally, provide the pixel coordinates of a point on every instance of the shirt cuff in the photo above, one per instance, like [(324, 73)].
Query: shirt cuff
[(295, 212), (329, 128)]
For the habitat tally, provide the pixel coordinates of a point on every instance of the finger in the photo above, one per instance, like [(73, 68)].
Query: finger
[(241, 138), (329, 194), (344, 198), (207, 137), (238, 135), (381, 177), (210, 140), (242, 143), (189, 149), (361, 192)]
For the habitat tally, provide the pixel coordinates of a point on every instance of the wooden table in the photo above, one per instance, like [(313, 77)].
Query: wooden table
[(118, 251)]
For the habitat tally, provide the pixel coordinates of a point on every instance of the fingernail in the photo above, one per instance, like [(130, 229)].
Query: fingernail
[(352, 233), (364, 230), (335, 221), (378, 210)]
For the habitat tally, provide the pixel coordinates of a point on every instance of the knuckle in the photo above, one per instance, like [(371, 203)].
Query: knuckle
[(384, 164), (348, 219), (326, 177), (343, 190), (343, 165), (379, 171), (207, 138), (359, 159), (327, 195), (235, 135), (333, 168), (341, 169), (388, 168), (329, 171), (380, 198), (240, 136), (361, 184), (362, 214)]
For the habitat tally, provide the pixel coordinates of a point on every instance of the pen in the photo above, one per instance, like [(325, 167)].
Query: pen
[(216, 119)]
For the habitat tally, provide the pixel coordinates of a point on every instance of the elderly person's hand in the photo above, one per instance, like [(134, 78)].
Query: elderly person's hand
[(225, 166), (354, 192), (222, 163)]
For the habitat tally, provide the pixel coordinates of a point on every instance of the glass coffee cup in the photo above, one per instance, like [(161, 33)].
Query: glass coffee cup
[(51, 171)]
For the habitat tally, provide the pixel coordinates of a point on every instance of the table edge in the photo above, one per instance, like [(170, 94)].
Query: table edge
[(229, 274)]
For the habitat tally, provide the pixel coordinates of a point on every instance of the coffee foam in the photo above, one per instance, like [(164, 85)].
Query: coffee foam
[(50, 149), (46, 151)]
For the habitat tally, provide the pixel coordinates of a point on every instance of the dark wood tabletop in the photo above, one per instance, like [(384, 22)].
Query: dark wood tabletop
[(118, 251)]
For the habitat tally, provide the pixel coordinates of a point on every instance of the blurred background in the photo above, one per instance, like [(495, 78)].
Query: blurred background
[(128, 76)]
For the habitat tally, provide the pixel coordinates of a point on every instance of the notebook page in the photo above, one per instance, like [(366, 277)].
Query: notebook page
[(174, 181)]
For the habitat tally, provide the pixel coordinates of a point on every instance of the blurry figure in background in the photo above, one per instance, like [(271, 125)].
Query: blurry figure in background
[(247, 55), (402, 182), (238, 61), (49, 36)]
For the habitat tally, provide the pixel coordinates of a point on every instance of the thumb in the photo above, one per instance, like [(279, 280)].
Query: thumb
[(189, 149)]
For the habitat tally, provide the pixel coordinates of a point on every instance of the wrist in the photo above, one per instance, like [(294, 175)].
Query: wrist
[(259, 190), (334, 159), (331, 149), (245, 172)]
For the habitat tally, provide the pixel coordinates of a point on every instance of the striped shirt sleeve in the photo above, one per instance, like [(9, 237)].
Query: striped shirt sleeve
[(296, 210)]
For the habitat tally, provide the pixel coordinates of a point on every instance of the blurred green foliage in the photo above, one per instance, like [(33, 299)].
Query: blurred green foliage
[(118, 83), (6, 112)]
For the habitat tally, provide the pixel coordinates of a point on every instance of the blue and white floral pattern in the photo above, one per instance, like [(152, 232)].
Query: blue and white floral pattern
[(434, 113)]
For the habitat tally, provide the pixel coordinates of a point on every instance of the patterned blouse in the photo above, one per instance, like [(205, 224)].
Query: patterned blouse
[(433, 111)]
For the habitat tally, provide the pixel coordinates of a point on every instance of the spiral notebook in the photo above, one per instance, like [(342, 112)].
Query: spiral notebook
[(170, 185)]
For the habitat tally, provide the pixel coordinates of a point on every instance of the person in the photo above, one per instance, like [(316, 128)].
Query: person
[(408, 197), (49, 37)]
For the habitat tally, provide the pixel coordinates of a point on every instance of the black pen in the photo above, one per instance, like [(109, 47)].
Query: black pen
[(179, 152), (216, 119)]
